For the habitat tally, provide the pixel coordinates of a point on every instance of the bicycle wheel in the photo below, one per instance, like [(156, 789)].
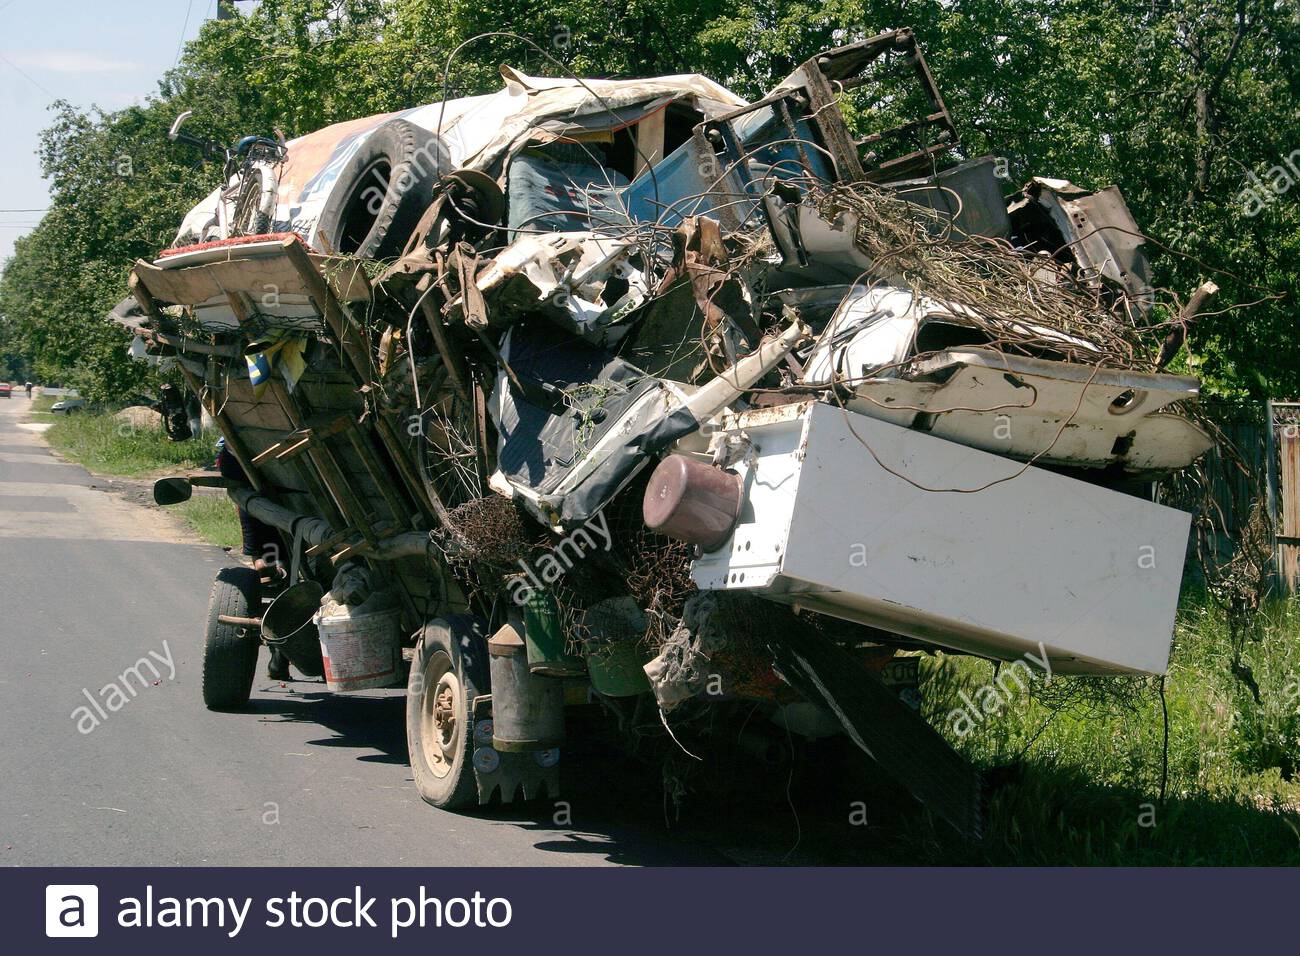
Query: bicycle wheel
[(254, 206)]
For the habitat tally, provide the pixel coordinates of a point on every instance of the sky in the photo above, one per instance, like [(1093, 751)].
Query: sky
[(88, 52)]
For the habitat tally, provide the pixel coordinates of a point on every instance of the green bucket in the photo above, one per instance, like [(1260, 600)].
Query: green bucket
[(545, 639), (615, 669)]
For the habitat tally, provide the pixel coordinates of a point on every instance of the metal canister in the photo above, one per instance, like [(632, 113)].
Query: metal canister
[(693, 501), (527, 708), (287, 624)]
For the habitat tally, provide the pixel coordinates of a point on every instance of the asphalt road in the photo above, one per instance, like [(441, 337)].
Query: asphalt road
[(89, 585)]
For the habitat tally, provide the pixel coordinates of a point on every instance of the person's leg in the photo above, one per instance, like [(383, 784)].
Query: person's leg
[(263, 545), (269, 547)]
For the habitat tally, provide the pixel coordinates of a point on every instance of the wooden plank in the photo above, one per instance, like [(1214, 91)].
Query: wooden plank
[(357, 350), (360, 444), (346, 277), (451, 358), (324, 478), (1288, 453), (193, 285), (258, 276), (144, 295), (233, 441), (430, 504), (345, 330), (325, 467), (260, 415), (329, 543)]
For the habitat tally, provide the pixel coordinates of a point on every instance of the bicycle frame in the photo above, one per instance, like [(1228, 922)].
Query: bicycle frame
[(236, 166)]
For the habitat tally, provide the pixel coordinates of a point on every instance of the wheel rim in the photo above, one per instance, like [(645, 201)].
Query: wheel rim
[(442, 715)]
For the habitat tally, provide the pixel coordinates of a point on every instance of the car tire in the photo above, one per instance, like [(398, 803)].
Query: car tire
[(383, 190), (449, 669), (229, 650)]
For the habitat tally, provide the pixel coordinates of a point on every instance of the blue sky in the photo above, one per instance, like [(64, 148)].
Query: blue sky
[(89, 52)]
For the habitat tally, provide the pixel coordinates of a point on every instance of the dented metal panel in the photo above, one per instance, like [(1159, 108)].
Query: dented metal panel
[(863, 520)]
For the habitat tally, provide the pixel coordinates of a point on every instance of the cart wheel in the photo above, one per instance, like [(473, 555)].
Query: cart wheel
[(230, 651), (448, 671)]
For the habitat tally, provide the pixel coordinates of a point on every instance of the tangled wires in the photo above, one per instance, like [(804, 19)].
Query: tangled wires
[(1024, 302)]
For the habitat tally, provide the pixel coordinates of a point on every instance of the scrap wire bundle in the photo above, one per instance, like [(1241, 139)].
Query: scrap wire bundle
[(653, 569), (487, 531), (1011, 296)]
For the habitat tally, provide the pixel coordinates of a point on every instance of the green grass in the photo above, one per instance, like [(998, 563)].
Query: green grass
[(102, 444), (40, 409), (1076, 766), (213, 518)]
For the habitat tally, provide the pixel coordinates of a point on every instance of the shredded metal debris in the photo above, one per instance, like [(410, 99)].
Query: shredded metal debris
[(733, 339)]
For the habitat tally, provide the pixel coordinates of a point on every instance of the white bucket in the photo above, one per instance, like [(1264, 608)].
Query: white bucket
[(361, 648)]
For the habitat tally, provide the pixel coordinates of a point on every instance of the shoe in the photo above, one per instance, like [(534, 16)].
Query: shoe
[(278, 668)]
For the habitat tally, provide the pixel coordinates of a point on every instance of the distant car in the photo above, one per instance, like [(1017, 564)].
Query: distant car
[(68, 405), (6, 390)]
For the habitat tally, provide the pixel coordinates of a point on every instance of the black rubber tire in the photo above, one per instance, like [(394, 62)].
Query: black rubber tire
[(229, 651), (383, 190), (460, 641)]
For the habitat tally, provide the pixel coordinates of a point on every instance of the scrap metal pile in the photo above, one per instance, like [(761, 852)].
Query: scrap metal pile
[(658, 366)]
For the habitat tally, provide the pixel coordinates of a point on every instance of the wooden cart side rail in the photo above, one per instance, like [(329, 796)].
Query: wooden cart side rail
[(140, 290), (291, 267), (357, 351)]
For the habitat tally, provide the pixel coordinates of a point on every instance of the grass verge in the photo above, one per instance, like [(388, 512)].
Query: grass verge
[(39, 411), (213, 518), (101, 443), (1076, 764)]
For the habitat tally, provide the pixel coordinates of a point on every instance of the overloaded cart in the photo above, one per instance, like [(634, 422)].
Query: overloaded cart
[(631, 392)]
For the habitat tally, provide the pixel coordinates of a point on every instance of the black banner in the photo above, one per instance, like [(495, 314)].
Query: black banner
[(625, 912)]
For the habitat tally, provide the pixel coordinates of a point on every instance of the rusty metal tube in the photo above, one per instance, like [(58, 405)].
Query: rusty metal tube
[(409, 544)]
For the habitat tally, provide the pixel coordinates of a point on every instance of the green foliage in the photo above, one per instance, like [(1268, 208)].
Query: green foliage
[(117, 195)]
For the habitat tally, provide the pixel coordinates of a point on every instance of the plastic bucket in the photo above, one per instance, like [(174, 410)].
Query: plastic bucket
[(613, 648), (616, 669), (545, 639), (361, 650)]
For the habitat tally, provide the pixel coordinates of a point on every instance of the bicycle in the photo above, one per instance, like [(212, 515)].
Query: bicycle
[(245, 206)]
